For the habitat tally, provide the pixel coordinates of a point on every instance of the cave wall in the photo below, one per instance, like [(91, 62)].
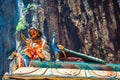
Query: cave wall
[(87, 26), (8, 20)]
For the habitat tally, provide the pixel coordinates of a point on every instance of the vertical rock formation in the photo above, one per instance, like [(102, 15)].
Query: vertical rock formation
[(8, 20), (87, 26)]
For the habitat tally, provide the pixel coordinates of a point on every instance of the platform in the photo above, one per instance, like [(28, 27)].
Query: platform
[(60, 70)]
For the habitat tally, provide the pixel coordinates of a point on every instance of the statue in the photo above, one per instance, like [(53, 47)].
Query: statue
[(18, 60), (58, 49), (35, 46)]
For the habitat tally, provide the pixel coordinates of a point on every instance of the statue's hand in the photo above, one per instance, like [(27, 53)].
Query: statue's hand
[(40, 50), (27, 41), (60, 47)]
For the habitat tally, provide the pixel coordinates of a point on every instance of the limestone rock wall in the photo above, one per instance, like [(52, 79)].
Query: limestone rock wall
[(87, 26)]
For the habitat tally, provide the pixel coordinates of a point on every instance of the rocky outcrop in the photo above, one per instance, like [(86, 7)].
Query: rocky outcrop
[(88, 26), (9, 16)]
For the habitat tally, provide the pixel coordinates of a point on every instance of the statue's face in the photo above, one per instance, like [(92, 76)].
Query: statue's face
[(33, 33)]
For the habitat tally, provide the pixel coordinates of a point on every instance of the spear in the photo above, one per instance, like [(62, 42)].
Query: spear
[(85, 56), (23, 36)]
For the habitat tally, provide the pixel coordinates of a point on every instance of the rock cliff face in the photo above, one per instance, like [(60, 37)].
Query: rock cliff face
[(9, 16), (88, 26)]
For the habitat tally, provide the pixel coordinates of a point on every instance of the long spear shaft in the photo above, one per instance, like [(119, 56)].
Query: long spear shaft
[(85, 56)]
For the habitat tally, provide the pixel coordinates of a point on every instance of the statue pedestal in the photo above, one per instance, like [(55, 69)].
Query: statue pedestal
[(65, 70)]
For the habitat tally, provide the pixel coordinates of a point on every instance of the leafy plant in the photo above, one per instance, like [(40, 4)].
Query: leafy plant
[(31, 7), (22, 24), (24, 11)]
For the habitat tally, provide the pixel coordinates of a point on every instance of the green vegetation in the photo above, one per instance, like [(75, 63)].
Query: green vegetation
[(22, 24), (31, 7)]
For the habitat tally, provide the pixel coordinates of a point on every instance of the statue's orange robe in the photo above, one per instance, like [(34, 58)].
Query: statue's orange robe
[(35, 49)]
